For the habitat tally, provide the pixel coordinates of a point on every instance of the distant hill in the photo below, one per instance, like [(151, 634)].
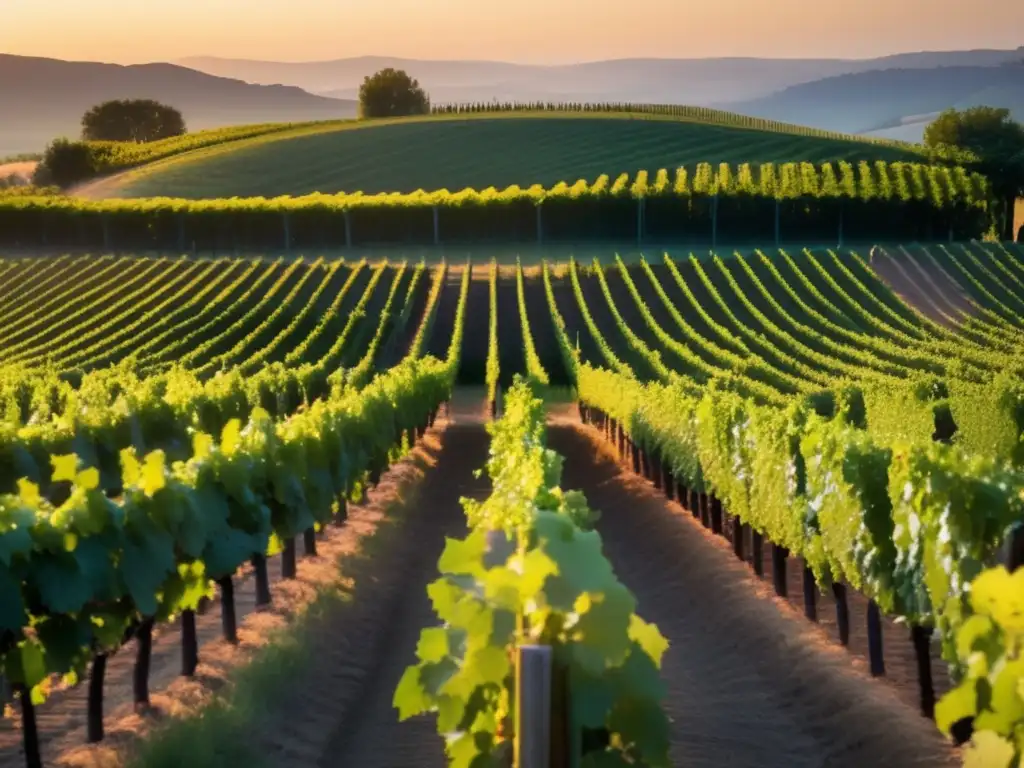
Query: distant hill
[(44, 98), (894, 103), (704, 82)]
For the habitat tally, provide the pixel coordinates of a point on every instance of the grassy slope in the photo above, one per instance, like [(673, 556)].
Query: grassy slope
[(470, 151)]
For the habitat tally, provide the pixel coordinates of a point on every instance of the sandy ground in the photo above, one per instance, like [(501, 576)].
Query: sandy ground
[(355, 559), (23, 169), (371, 736), (751, 682)]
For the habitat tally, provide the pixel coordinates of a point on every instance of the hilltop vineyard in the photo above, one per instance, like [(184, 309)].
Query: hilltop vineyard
[(510, 434)]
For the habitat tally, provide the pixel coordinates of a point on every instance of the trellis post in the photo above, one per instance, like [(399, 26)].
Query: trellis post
[(714, 222)]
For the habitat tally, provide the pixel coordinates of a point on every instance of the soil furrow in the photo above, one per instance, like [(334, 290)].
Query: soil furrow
[(372, 737), (750, 682)]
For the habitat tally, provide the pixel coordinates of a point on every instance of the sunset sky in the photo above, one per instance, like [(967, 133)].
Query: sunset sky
[(534, 31)]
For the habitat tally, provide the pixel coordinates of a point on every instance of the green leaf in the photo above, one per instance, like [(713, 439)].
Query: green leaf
[(433, 644), (976, 627), (642, 725), (1005, 708), (88, 479), (146, 563), (464, 556), (410, 697), (63, 588), (64, 468), (988, 750), (648, 638), (29, 493), (231, 437), (959, 703), (202, 446), (131, 470), (25, 664), (592, 699), (153, 477)]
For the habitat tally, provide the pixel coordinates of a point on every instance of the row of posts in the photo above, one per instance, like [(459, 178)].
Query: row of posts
[(708, 510), (641, 227), (142, 631)]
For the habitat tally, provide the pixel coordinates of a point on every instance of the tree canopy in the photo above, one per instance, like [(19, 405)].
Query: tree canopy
[(392, 93), (65, 163), (138, 120), (996, 139)]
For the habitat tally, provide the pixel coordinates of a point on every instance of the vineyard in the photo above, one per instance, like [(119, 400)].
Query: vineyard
[(444, 152), (790, 202), (848, 423)]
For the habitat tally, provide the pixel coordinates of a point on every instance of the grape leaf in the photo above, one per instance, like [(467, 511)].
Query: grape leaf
[(988, 750)]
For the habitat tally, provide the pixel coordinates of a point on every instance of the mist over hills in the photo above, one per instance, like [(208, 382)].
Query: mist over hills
[(894, 102), (891, 96), (44, 98), (704, 82)]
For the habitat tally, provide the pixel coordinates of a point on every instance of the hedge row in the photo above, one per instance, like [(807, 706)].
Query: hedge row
[(798, 201)]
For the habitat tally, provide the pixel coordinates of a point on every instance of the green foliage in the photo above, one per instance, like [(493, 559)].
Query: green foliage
[(997, 141), (986, 131), (392, 93), (990, 647), (532, 572), (874, 200), (81, 571), (102, 157), (65, 163), (132, 120), (535, 373), (679, 111), (910, 524)]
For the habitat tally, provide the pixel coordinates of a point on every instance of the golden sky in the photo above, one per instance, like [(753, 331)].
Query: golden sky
[(536, 31)]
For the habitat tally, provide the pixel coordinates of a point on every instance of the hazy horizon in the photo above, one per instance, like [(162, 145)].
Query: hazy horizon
[(530, 32)]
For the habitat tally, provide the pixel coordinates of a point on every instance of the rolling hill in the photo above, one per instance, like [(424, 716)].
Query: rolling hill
[(895, 103), (455, 152), (704, 82), (44, 98)]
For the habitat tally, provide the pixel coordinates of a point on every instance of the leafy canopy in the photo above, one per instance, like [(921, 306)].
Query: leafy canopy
[(392, 93), (992, 135), (135, 120)]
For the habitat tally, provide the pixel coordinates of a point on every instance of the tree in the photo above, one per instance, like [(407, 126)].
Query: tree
[(392, 93), (65, 163), (997, 140), (138, 120)]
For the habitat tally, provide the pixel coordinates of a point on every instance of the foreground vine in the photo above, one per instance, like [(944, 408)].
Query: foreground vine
[(532, 572)]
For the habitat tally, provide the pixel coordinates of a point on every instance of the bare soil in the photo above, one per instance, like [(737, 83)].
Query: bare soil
[(751, 682), (922, 287), (511, 348), (367, 733), (476, 334), (23, 169)]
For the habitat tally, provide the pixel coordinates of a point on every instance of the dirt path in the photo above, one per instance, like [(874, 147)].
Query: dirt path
[(750, 682), (371, 736), (22, 169), (896, 275)]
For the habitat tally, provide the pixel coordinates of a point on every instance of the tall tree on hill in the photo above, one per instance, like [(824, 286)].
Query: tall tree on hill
[(138, 120), (997, 140), (392, 93)]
